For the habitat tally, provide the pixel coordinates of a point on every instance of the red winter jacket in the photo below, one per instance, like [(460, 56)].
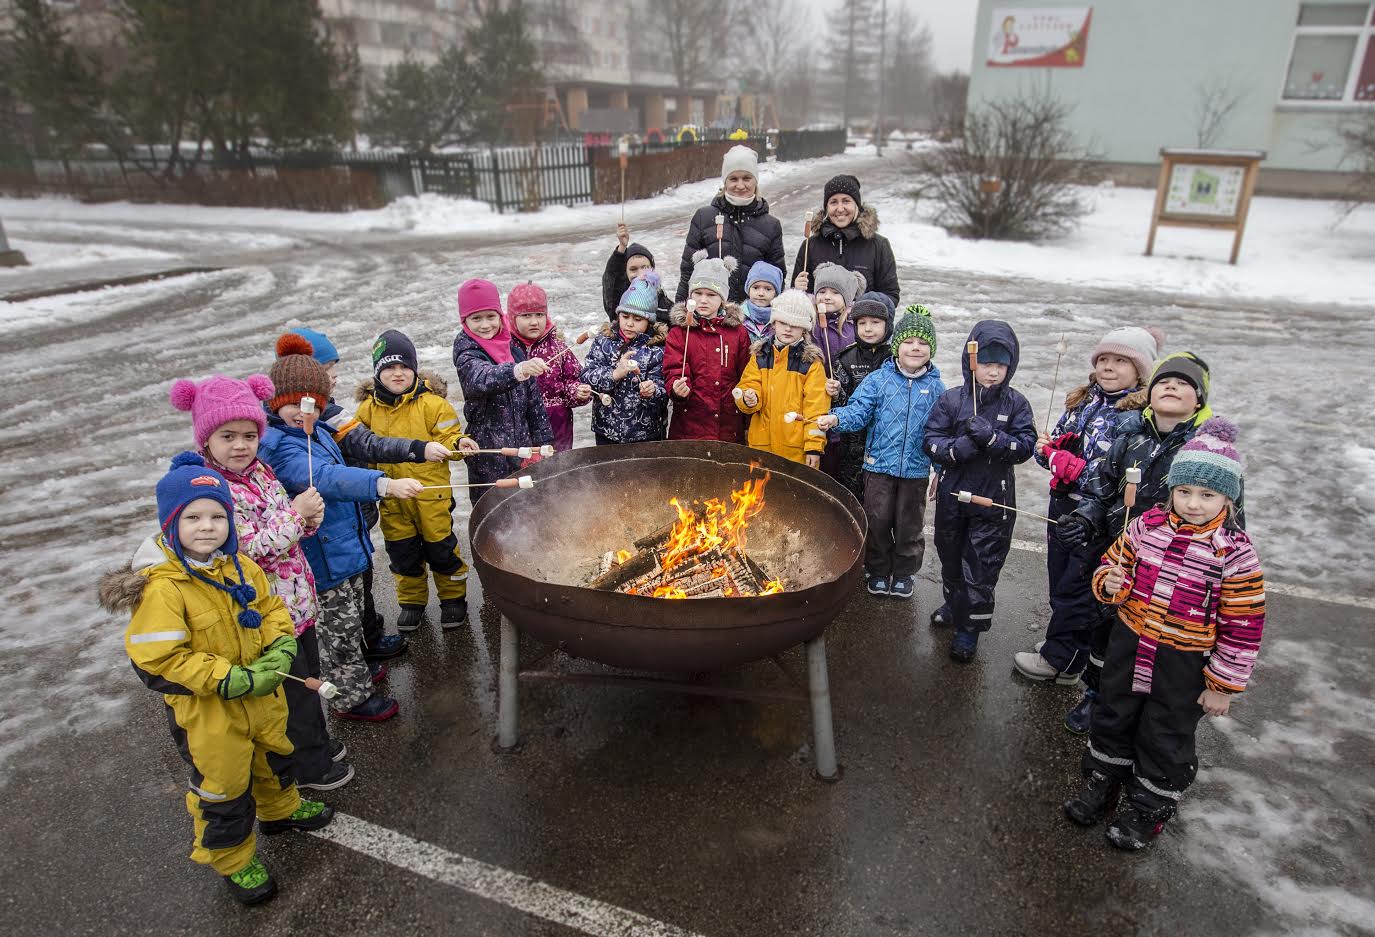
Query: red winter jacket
[(717, 352)]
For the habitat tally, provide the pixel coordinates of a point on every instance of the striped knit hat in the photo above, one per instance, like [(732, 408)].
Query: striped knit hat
[(915, 323), (1210, 460), (641, 298)]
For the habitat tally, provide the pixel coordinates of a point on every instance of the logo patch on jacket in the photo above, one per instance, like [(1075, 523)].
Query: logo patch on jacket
[(209, 480)]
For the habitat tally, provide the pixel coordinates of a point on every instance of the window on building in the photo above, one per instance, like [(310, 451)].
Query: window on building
[(1333, 57)]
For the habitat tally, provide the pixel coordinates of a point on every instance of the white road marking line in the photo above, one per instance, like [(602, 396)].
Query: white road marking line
[(493, 883), (1278, 588)]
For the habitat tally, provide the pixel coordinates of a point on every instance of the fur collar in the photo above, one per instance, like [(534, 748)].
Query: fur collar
[(678, 315), (657, 333), (866, 223), (426, 381)]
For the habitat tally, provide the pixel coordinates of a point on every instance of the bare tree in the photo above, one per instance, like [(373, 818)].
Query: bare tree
[(693, 30), (852, 65), (1216, 97), (1015, 174), (908, 69), (1356, 137), (797, 88), (948, 95)]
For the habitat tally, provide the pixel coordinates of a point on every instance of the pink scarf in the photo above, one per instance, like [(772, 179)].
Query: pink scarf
[(498, 346)]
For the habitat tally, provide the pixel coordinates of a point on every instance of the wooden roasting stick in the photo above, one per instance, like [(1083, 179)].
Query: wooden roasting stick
[(524, 481), (577, 341), (969, 498), (1060, 350), (720, 233), (308, 417), (973, 351), (624, 154), (806, 242), (517, 452), (323, 687), (690, 306), (1132, 476)]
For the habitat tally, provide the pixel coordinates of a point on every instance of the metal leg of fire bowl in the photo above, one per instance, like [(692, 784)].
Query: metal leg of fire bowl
[(823, 736), (508, 694)]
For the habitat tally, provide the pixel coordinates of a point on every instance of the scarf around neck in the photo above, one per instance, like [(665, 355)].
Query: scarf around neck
[(498, 347)]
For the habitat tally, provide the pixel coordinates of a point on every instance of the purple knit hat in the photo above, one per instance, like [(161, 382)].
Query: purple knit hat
[(218, 400), (1210, 459), (1140, 346)]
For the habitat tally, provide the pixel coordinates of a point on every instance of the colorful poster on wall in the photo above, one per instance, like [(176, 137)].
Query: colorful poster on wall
[(1038, 37), (1204, 190)]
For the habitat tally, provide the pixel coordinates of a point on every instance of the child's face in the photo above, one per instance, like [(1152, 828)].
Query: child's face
[(786, 333), (1174, 397), (202, 528), (1195, 504), (762, 293), (631, 325), (870, 329), (291, 415), (332, 369), (637, 265), (708, 302), (830, 300), (913, 354), (531, 325), (485, 324), (397, 378), (989, 375), (234, 445), (841, 209), (1114, 373)]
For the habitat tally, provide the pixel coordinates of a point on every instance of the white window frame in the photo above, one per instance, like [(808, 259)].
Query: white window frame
[(1363, 34)]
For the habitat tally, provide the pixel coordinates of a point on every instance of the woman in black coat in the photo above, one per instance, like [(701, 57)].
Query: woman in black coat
[(750, 233), (849, 236)]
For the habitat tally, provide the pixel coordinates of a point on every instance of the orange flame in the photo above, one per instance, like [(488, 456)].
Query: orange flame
[(622, 556), (718, 526)]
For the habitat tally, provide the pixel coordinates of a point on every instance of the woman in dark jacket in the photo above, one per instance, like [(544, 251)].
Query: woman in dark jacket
[(749, 233), (848, 235)]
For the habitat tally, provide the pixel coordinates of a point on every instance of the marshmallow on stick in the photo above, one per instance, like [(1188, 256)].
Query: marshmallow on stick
[(720, 233), (792, 416), (524, 481), (807, 239), (1132, 479), (690, 305), (1060, 350), (967, 497), (308, 418), (972, 349), (323, 687), (519, 452)]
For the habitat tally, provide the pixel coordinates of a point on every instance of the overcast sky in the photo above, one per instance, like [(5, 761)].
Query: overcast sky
[(951, 22)]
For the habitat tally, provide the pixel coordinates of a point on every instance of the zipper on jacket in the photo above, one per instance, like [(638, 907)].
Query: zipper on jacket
[(1003, 483), (906, 426)]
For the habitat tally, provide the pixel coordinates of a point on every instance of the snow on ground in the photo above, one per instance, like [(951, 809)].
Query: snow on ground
[(1293, 250), (50, 255)]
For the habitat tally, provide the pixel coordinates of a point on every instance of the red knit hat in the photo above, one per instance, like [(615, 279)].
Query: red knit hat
[(527, 297), (296, 374), (478, 296)]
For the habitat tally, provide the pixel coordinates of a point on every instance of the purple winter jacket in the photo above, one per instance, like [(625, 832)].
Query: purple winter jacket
[(498, 409)]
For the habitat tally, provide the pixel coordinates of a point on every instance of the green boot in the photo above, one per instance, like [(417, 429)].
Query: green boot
[(252, 884), (311, 815)]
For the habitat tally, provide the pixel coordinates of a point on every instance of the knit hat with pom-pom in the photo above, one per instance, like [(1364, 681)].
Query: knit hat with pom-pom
[(915, 323), (794, 307), (1138, 345), (712, 273), (189, 479), (642, 297), (296, 374), (218, 400), (1210, 460)]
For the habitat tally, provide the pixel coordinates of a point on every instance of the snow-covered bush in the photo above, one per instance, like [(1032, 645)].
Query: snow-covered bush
[(1014, 174)]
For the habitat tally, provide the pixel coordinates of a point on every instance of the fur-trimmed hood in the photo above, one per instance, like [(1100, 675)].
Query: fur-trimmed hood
[(866, 223), (658, 333), (121, 589), (810, 350), (678, 315), (429, 381)]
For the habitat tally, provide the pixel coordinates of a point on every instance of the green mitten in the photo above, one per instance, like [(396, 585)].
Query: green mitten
[(278, 657), (236, 683)]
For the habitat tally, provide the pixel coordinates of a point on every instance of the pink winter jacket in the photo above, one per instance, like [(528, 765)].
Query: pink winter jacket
[(270, 532)]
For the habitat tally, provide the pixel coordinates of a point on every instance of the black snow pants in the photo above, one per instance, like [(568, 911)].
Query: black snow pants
[(896, 510), (1147, 739), (305, 717), (1074, 612), (972, 544)]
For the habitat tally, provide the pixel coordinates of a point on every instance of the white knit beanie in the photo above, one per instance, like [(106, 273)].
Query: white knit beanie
[(740, 158), (794, 307), (1140, 346)]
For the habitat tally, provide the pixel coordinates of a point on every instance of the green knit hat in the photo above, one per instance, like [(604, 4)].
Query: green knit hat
[(915, 323)]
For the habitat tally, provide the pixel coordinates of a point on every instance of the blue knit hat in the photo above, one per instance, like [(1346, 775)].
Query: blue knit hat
[(642, 297), (322, 349), (763, 270), (189, 480), (1210, 460)]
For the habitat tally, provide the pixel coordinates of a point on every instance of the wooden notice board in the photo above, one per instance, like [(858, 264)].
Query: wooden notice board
[(1205, 189)]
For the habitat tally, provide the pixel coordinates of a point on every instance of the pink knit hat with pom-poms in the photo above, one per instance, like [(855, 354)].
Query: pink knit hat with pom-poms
[(218, 400), (1138, 345)]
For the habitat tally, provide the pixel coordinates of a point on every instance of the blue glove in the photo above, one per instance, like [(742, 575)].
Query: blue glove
[(980, 430)]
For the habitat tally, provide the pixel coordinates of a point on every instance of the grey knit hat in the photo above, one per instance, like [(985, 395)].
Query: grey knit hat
[(847, 283), (711, 273)]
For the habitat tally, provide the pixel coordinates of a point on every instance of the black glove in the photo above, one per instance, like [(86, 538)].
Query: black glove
[(980, 430), (1073, 530)]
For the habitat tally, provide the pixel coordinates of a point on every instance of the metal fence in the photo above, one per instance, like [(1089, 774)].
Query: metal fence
[(809, 144)]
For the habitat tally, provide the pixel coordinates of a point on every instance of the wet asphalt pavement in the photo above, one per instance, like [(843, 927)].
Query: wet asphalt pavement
[(696, 812)]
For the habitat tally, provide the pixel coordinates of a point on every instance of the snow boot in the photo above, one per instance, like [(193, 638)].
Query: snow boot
[(901, 588), (1095, 801), (373, 709), (411, 618), (377, 671), (253, 884), (1078, 719), (311, 815), (338, 751), (453, 613), (1134, 828), (964, 645), (387, 646), (1033, 666), (941, 617), (339, 774), (878, 585)]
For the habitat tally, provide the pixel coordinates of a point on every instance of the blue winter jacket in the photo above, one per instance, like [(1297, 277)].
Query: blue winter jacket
[(895, 408), (498, 409), (630, 418), (982, 466), (341, 549)]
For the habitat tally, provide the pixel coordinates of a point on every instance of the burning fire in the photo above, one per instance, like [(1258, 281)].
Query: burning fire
[(718, 527)]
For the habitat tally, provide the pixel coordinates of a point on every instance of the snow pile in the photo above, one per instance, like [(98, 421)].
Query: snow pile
[(60, 256)]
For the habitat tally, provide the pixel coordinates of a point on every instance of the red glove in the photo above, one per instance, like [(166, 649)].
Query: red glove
[(1065, 467), (1066, 441), (533, 459)]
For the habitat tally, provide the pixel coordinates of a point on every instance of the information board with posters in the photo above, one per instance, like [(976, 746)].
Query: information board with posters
[(1211, 190), (1038, 37), (1205, 189)]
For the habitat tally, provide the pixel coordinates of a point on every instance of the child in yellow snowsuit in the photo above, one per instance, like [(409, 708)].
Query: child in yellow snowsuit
[(785, 375), (419, 532), (209, 634)]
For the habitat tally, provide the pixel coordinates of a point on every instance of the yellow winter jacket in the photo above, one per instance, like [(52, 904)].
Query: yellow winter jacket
[(184, 634), (785, 380), (423, 413)]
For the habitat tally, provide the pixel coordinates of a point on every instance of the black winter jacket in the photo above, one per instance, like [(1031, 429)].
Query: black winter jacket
[(982, 466), (857, 247), (615, 283), (749, 234)]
